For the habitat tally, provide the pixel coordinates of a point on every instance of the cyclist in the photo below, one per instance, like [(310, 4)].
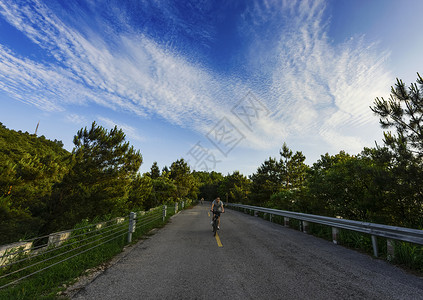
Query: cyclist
[(217, 206)]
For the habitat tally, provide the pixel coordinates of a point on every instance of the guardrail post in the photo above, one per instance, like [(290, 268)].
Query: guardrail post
[(132, 222), (164, 212), (255, 213), (270, 217), (374, 243), (335, 234), (286, 221), (176, 207), (390, 249), (305, 226)]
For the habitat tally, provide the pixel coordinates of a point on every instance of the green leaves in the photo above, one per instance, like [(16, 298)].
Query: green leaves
[(155, 171), (273, 176), (403, 111), (236, 187), (29, 167), (100, 180), (185, 182)]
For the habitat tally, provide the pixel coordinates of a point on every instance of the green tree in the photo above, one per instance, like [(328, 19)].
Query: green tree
[(293, 168), (274, 176), (352, 187), (141, 190), (208, 184), (186, 184), (164, 191), (284, 200), (235, 188), (154, 171), (15, 222), (99, 181), (165, 169), (286, 155), (266, 181), (29, 167), (403, 112), (326, 185), (293, 174)]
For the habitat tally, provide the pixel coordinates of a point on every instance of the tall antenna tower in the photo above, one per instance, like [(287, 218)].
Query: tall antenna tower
[(36, 128)]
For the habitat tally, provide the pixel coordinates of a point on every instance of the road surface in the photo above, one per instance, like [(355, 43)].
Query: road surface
[(252, 259)]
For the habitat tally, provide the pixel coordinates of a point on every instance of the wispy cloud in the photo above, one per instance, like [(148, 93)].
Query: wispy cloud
[(139, 76), (76, 119), (317, 88), (130, 131), (311, 86)]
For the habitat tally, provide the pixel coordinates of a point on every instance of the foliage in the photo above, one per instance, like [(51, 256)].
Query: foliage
[(234, 188), (186, 184), (208, 184), (278, 176), (164, 191), (266, 181), (409, 255), (99, 181), (293, 168), (403, 111), (155, 171), (29, 167), (141, 189)]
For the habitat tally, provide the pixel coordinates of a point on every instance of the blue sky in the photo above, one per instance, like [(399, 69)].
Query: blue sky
[(222, 84)]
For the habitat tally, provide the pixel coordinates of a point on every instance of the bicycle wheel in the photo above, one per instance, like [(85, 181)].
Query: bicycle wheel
[(214, 226)]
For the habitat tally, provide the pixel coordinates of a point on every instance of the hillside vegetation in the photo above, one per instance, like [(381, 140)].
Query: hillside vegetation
[(44, 188)]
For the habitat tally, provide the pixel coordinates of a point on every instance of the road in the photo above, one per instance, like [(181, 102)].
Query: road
[(257, 260)]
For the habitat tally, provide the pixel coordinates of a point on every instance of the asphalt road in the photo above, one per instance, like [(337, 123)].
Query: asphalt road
[(258, 260)]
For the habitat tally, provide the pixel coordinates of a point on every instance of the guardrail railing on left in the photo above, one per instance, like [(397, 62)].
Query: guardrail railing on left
[(391, 233), (21, 260)]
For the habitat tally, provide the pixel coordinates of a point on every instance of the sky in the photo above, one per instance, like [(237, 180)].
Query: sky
[(222, 84)]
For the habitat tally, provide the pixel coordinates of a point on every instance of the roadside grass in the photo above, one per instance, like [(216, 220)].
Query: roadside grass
[(362, 242), (409, 255), (46, 284), (56, 268), (321, 231)]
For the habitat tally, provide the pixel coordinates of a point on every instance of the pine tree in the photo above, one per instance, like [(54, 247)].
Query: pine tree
[(154, 171), (187, 185), (403, 111), (99, 182), (266, 181)]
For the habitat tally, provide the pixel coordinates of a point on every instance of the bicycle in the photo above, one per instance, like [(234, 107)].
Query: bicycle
[(216, 215)]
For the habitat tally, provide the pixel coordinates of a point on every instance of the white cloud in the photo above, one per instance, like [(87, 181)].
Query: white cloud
[(139, 77), (130, 131), (319, 88), (76, 119), (312, 87)]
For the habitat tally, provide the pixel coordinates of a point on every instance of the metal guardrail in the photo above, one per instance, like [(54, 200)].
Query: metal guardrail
[(59, 247), (375, 230)]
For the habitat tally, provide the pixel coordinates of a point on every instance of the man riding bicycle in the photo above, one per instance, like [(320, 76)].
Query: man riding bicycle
[(217, 208)]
